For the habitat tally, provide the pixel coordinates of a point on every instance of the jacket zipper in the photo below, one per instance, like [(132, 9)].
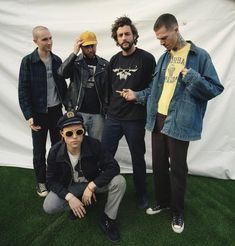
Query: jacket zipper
[(71, 170)]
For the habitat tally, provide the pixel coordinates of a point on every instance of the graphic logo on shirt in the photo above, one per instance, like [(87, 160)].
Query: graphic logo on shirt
[(124, 73), (91, 79)]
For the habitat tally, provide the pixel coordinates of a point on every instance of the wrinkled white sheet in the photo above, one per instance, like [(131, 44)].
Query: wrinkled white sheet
[(209, 24)]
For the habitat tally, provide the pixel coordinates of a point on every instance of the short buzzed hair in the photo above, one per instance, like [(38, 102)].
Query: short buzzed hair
[(36, 29), (167, 20)]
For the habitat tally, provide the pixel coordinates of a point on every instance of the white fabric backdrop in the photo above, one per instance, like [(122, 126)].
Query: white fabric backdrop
[(209, 24)]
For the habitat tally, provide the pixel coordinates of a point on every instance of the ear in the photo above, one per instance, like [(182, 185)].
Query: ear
[(62, 135), (176, 29), (84, 128)]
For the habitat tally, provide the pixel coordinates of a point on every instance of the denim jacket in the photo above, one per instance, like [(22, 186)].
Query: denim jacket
[(189, 102), (75, 68), (32, 90)]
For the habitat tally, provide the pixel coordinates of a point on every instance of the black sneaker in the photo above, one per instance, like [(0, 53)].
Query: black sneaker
[(71, 215), (157, 209), (109, 227), (42, 190), (177, 223)]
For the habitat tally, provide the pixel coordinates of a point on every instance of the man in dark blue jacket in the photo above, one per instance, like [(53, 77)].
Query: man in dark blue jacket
[(77, 169), (41, 92)]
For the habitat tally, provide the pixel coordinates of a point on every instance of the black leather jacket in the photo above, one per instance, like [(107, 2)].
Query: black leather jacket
[(75, 68), (96, 164)]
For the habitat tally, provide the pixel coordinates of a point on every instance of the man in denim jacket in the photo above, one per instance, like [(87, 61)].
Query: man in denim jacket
[(185, 79)]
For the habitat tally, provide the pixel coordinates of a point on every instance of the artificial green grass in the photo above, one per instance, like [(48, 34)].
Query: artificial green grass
[(209, 216)]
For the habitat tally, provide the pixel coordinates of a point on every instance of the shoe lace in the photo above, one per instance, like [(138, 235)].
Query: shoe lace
[(178, 220), (42, 187), (110, 225)]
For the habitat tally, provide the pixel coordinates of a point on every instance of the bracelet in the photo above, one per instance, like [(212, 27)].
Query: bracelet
[(91, 190)]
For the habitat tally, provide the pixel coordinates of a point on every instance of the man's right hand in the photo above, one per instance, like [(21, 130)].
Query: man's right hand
[(128, 94), (77, 46), (32, 126), (77, 207)]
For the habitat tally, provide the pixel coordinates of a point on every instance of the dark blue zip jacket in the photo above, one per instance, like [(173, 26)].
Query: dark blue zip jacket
[(32, 90)]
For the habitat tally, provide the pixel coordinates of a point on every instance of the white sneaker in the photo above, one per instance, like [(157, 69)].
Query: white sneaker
[(42, 190), (155, 210), (177, 223)]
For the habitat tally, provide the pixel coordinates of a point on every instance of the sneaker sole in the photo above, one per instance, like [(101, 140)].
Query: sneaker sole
[(150, 211), (177, 230), (42, 194)]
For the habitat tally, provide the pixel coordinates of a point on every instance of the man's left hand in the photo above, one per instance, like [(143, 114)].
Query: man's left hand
[(88, 194)]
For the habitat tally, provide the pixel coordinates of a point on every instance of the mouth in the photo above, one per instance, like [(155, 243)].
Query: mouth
[(74, 142), (127, 43)]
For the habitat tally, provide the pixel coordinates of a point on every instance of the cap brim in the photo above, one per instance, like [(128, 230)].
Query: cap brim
[(89, 43), (72, 123)]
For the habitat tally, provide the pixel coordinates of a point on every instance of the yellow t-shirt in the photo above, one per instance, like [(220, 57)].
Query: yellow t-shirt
[(176, 64)]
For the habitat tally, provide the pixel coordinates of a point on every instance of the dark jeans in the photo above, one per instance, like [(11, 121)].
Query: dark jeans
[(134, 132), (169, 157), (47, 122)]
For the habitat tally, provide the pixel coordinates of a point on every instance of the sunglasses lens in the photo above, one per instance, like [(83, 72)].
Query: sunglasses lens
[(69, 134), (79, 132)]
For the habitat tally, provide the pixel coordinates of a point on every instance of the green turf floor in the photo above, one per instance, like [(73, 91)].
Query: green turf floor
[(209, 216)]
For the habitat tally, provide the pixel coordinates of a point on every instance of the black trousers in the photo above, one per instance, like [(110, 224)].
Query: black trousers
[(134, 132), (47, 122), (169, 158)]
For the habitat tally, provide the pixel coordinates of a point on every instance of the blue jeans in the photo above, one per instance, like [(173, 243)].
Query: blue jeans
[(48, 122), (134, 132), (94, 124)]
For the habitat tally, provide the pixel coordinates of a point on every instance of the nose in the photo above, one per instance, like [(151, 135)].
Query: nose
[(124, 37)]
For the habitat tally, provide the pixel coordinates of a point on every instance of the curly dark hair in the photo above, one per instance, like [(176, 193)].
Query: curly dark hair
[(120, 22)]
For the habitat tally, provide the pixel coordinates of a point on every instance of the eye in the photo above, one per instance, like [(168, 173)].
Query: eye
[(69, 134)]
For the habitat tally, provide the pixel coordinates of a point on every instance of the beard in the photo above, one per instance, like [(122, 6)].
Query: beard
[(125, 47)]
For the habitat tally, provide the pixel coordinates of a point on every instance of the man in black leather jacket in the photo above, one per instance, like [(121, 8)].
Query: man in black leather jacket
[(78, 168), (88, 90)]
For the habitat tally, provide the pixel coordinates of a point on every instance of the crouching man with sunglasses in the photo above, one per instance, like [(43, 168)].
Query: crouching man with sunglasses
[(78, 168)]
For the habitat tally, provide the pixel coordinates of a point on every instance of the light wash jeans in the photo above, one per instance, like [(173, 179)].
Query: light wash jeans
[(94, 124)]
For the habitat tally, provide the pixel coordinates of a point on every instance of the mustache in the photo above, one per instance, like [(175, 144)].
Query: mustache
[(125, 42)]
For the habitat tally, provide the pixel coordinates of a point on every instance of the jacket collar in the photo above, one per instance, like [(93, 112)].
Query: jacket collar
[(36, 57), (62, 154), (193, 47), (80, 59)]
